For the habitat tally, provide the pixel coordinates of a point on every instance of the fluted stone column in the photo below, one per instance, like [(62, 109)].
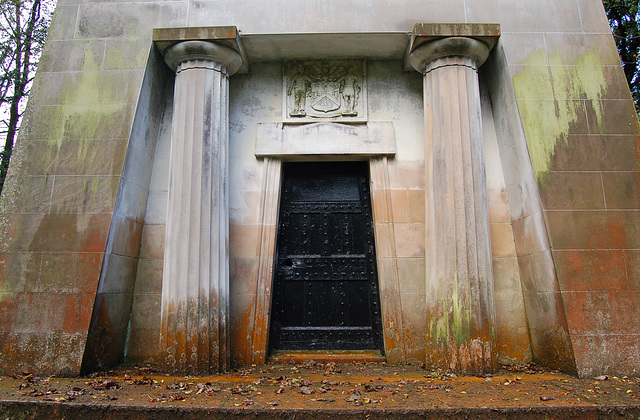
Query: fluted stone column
[(460, 303), (195, 282)]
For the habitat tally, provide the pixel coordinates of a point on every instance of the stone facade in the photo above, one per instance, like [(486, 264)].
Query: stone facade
[(140, 215)]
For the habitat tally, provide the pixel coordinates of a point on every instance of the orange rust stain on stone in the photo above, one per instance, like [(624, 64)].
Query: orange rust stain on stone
[(605, 271), (10, 352), (472, 357), (90, 266), (259, 336), (103, 314), (394, 348), (616, 230), (259, 342), (553, 350), (579, 313), (577, 265), (77, 314), (241, 334), (7, 309), (95, 242), (512, 345)]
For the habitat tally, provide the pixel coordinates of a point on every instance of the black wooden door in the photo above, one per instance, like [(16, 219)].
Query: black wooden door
[(325, 293)]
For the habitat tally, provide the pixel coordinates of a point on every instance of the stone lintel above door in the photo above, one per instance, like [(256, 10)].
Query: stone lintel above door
[(278, 140)]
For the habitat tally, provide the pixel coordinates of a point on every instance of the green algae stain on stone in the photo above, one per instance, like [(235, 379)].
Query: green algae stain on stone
[(91, 195), (83, 88), (94, 189), (551, 100), (42, 123), (453, 322), (97, 122), (534, 82), (461, 318), (439, 325), (129, 53), (89, 63), (87, 153)]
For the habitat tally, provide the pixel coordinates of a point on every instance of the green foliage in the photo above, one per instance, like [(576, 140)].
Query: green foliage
[(23, 28), (624, 18)]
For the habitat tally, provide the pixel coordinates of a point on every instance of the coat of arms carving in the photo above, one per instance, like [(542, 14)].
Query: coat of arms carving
[(325, 90)]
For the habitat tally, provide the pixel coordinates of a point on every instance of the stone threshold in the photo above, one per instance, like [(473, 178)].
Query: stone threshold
[(326, 356)]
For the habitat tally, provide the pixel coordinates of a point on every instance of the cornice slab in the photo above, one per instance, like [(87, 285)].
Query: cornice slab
[(227, 36)]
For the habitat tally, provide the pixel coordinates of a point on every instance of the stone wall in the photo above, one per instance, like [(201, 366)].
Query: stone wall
[(561, 146)]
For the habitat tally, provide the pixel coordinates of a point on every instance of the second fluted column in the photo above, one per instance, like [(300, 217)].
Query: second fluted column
[(460, 302)]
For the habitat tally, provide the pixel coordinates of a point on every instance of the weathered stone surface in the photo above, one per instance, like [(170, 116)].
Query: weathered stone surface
[(73, 207), (277, 140), (547, 325), (545, 16), (613, 229), (107, 334), (460, 297), (195, 290), (610, 354), (254, 347), (596, 153), (69, 272), (604, 270), (573, 190), (69, 55)]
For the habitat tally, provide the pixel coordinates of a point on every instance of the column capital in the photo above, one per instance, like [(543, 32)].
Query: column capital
[(203, 51), (457, 46)]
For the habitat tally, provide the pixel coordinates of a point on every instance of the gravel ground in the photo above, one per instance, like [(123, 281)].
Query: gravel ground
[(318, 390)]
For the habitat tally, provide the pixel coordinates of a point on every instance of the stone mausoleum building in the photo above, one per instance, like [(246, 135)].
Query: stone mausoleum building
[(210, 183)]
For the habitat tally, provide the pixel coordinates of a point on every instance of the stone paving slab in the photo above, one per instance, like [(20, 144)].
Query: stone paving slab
[(26, 410), (318, 391)]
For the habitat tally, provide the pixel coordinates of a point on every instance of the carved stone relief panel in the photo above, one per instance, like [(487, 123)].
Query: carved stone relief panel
[(325, 90)]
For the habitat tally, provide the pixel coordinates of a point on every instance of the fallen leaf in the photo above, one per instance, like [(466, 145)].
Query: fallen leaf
[(306, 390)]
